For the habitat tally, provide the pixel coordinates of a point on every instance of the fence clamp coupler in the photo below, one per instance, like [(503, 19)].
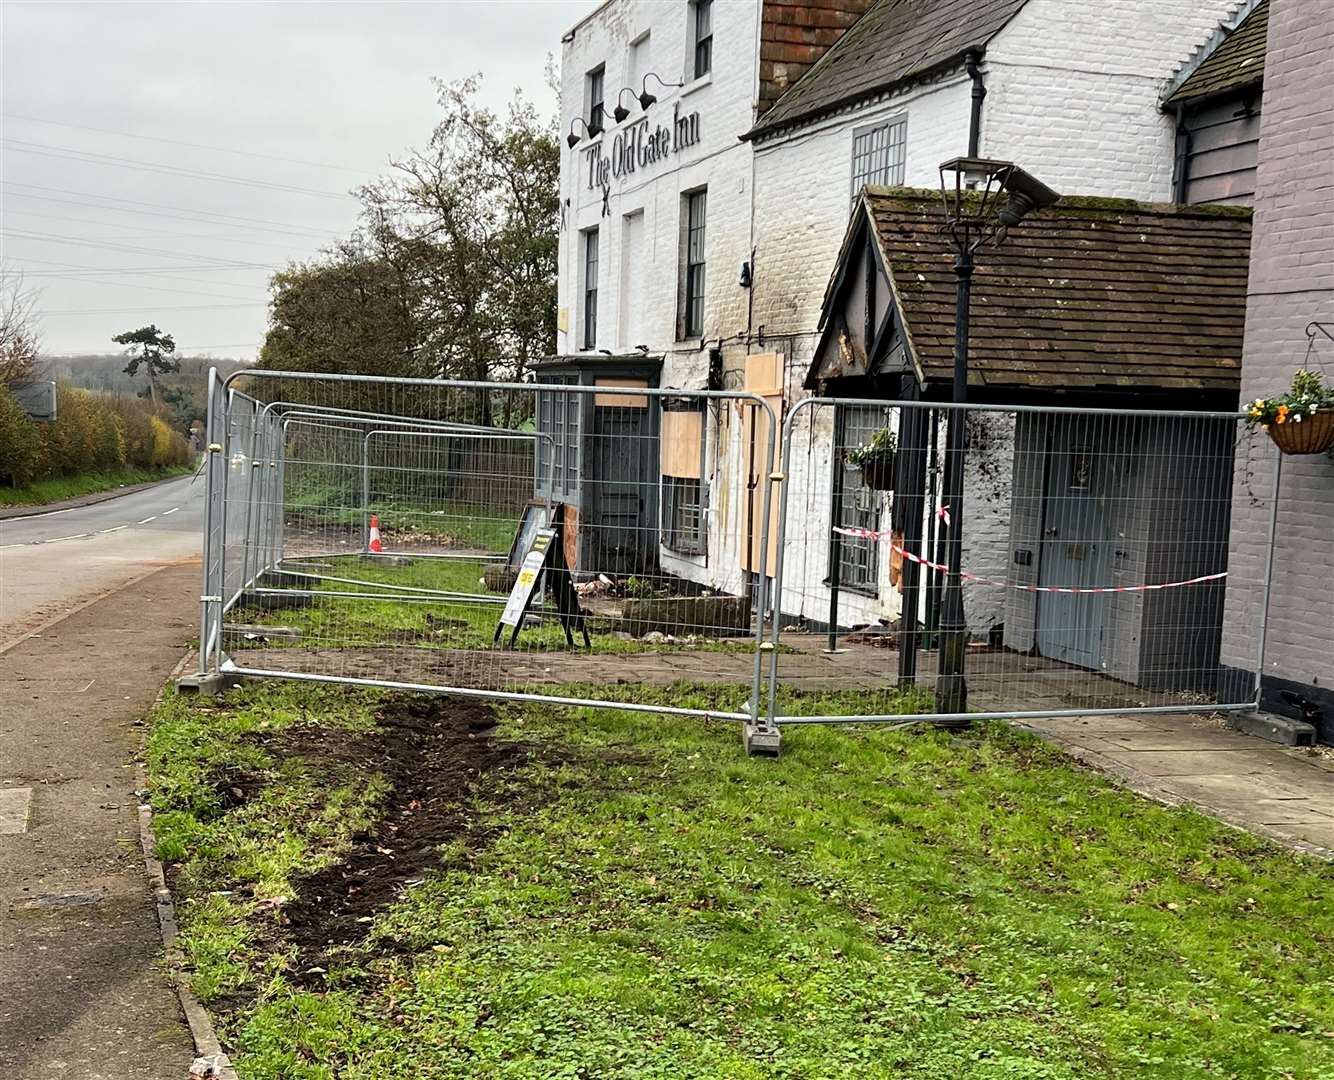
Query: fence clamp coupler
[(215, 448), (210, 599), (777, 477)]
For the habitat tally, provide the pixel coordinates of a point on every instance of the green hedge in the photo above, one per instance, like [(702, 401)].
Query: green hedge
[(92, 432)]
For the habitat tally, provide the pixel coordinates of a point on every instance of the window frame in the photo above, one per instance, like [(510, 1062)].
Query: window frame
[(694, 279), (559, 416), (691, 541), (857, 506), (588, 305), (595, 91), (701, 60), (638, 60), (883, 174)]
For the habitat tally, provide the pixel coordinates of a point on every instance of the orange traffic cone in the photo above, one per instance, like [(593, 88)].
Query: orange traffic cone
[(373, 544)]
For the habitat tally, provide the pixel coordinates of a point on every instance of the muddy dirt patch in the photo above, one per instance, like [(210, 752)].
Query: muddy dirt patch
[(435, 753)]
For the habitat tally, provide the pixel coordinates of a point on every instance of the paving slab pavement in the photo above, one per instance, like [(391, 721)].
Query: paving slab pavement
[(81, 995), (1286, 794)]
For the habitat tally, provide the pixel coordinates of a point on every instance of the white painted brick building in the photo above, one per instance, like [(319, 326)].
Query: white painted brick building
[(1073, 95)]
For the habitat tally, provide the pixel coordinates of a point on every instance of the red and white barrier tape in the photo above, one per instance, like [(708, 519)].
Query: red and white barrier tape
[(872, 534)]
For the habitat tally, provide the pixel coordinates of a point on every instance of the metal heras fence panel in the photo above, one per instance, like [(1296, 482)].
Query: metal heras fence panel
[(1088, 553), (389, 542)]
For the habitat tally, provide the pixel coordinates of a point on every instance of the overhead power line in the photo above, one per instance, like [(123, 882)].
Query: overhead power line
[(108, 245), (181, 142), (145, 307), (139, 230), (62, 153), (132, 270), (108, 202)]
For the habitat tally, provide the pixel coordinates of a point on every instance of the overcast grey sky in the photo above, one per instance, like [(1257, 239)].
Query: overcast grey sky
[(318, 96)]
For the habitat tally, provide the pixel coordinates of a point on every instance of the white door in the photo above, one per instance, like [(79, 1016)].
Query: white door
[(631, 328)]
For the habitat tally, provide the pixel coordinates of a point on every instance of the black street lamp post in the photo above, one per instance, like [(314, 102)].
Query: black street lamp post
[(974, 214)]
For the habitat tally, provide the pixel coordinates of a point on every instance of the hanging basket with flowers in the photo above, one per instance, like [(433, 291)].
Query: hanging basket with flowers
[(1300, 421), (876, 460)]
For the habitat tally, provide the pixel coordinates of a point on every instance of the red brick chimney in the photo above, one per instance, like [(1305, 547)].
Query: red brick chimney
[(794, 34)]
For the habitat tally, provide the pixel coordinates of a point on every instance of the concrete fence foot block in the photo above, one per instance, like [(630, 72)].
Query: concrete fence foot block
[(1278, 729), (761, 740), (385, 560), (209, 684)]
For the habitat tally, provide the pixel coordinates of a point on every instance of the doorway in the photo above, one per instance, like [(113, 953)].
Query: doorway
[(1076, 547)]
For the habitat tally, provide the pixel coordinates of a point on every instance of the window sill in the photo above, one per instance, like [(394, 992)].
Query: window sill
[(870, 592), (697, 84), (684, 553)]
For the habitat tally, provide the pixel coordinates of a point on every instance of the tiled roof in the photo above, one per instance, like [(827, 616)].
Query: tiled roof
[(1237, 61), (895, 41), (1089, 293)]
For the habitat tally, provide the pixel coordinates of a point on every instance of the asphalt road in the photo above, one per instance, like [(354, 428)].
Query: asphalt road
[(52, 562)]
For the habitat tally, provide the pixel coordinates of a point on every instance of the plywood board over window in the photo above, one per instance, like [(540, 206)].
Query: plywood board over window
[(622, 401), (764, 377), (682, 439)]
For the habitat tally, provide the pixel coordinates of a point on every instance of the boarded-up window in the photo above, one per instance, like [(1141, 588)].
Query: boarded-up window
[(684, 517)]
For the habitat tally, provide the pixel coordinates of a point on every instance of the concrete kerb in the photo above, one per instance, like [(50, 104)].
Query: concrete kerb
[(210, 1060)]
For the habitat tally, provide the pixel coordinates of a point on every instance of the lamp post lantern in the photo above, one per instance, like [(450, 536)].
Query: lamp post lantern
[(982, 199)]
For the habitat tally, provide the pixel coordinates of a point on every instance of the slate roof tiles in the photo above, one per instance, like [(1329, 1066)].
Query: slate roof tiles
[(894, 42), (1089, 293)]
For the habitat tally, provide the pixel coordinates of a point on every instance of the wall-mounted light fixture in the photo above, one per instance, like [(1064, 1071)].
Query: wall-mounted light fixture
[(621, 112), (572, 140), (645, 98)]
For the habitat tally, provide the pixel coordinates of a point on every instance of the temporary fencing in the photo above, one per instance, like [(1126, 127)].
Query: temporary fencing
[(1094, 554), (555, 540), (534, 537)]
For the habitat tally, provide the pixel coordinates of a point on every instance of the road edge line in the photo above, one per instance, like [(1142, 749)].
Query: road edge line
[(94, 498), (210, 1059)]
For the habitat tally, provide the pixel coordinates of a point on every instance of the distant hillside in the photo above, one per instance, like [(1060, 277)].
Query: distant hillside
[(182, 392)]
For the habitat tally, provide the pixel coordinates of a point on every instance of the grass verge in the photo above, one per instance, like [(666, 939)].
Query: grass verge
[(57, 488), (612, 894)]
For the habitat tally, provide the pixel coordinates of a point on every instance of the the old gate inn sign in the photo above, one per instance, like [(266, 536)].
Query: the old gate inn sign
[(640, 146)]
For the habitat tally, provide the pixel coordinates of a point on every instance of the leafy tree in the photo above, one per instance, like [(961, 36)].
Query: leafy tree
[(348, 312), (155, 351), (452, 273)]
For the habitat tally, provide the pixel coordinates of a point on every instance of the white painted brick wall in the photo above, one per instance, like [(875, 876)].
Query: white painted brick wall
[(725, 103), (803, 194), (1073, 91)]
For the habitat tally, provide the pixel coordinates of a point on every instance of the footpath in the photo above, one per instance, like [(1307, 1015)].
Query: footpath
[(81, 995)]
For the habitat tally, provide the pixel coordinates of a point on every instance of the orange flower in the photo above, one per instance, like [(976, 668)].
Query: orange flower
[(1282, 414)]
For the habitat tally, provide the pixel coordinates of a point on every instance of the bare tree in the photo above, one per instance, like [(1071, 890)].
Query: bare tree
[(20, 361)]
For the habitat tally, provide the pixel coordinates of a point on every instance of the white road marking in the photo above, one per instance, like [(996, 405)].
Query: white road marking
[(82, 535)]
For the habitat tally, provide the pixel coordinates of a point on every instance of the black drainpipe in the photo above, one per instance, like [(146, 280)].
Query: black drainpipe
[(970, 61), (1181, 165)]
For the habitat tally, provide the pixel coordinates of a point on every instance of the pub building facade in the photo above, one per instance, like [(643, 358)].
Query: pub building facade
[(713, 156)]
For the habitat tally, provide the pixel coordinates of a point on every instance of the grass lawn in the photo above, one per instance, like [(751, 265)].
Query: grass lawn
[(368, 888), (463, 624), (71, 487)]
